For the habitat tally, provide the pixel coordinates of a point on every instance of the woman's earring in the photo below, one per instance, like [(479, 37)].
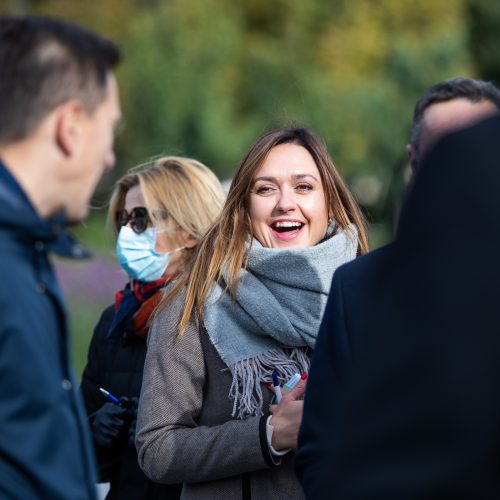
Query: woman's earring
[(330, 227)]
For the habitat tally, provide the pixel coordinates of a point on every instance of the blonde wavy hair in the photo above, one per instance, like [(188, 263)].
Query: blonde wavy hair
[(182, 190)]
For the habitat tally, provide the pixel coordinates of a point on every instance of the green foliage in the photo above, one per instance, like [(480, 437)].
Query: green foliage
[(205, 78), (484, 22), (96, 233), (180, 83)]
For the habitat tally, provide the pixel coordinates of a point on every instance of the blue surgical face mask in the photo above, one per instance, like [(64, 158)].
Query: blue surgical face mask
[(138, 257)]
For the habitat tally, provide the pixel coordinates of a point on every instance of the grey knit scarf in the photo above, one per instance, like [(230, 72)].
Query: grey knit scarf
[(279, 304)]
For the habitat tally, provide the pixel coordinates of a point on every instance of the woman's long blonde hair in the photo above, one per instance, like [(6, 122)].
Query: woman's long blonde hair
[(182, 190), (223, 247)]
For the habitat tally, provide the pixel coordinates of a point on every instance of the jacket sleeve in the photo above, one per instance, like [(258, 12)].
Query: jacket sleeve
[(329, 364), (172, 447), (92, 379)]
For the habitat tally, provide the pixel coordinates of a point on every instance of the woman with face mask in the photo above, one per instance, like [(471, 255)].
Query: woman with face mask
[(159, 212), (245, 318)]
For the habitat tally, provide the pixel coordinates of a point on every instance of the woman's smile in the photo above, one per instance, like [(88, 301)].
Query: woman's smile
[(287, 229), (287, 202)]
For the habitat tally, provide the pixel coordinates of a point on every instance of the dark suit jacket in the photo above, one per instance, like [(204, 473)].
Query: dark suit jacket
[(403, 399)]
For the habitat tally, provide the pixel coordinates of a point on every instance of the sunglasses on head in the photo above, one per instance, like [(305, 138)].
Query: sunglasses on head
[(138, 218)]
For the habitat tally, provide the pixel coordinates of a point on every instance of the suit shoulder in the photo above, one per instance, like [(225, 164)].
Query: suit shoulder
[(365, 264)]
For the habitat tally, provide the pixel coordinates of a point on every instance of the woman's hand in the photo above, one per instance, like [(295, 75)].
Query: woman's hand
[(286, 417)]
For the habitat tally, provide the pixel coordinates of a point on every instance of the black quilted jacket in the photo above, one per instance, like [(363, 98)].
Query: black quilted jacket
[(117, 366)]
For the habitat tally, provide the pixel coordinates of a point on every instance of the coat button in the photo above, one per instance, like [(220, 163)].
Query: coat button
[(41, 287), (39, 246), (67, 385), (78, 251)]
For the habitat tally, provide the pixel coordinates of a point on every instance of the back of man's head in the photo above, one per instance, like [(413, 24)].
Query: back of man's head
[(45, 62), (468, 101)]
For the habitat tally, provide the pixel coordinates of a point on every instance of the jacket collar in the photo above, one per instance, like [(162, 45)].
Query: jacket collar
[(18, 216)]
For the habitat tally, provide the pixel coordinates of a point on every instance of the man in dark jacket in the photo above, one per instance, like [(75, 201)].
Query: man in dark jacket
[(58, 107), (403, 396)]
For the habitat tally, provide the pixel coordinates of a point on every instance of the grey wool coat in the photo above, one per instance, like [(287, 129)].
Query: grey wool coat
[(185, 432)]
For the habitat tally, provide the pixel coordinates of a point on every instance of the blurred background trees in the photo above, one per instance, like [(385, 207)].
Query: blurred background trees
[(204, 78)]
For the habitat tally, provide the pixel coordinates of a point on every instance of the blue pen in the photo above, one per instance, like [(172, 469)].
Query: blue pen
[(112, 398), (277, 388)]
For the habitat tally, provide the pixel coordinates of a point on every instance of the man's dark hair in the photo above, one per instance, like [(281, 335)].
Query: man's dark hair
[(45, 62), (466, 88)]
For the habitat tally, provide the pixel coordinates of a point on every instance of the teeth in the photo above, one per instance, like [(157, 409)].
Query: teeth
[(287, 224)]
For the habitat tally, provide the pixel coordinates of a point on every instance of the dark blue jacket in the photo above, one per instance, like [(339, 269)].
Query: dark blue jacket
[(403, 397), (45, 450)]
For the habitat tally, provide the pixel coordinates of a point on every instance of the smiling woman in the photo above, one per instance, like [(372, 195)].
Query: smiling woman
[(287, 201), (250, 306)]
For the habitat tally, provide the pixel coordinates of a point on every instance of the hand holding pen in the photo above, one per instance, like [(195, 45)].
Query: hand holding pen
[(111, 422), (110, 396), (287, 415), (115, 400), (288, 386), (276, 387)]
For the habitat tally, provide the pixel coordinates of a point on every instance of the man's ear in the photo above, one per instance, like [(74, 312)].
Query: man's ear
[(68, 126), (412, 155)]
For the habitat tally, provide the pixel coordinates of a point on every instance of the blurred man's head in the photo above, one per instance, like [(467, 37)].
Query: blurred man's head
[(446, 107), (58, 106)]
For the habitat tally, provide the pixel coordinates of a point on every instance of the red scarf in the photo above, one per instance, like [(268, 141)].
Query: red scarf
[(133, 314)]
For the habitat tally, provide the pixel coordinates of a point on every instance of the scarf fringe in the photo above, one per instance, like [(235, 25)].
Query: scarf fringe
[(249, 374)]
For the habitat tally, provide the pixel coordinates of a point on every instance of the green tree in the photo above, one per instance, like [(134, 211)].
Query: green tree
[(204, 78), (484, 24)]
